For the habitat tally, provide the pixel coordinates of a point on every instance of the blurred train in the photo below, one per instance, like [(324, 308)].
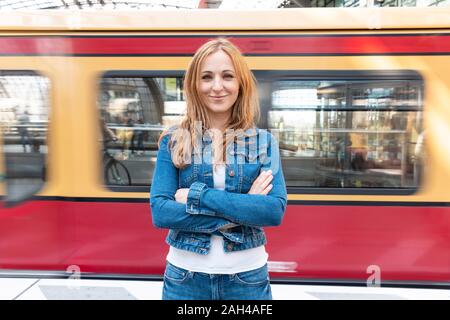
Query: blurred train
[(358, 98)]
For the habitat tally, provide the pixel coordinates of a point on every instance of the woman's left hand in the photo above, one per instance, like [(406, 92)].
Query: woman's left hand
[(181, 195)]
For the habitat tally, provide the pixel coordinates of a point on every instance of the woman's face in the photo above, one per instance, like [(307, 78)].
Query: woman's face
[(219, 86)]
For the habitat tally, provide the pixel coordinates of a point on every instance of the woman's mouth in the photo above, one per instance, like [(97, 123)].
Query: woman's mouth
[(217, 97)]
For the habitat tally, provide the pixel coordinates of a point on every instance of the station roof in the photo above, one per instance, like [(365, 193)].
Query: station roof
[(227, 20)]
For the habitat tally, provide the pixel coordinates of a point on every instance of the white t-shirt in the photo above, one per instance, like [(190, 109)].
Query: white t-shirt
[(217, 261)]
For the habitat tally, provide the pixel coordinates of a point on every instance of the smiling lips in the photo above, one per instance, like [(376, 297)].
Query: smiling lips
[(217, 97)]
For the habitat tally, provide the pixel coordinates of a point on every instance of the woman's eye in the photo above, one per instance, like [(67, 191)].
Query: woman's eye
[(206, 77), (228, 76)]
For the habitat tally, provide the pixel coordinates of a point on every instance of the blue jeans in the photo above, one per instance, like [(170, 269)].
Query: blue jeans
[(181, 284)]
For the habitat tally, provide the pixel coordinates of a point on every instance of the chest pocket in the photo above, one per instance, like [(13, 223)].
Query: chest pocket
[(186, 176), (250, 164)]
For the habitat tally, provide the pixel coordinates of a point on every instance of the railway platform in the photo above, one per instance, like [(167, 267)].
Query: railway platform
[(84, 289)]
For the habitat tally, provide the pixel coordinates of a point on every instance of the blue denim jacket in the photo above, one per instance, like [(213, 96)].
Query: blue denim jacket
[(208, 210)]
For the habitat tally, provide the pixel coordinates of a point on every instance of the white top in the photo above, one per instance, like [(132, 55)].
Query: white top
[(217, 261)]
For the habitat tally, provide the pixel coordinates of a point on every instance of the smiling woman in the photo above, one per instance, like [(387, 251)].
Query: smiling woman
[(219, 87), (360, 116), (215, 227), (220, 94)]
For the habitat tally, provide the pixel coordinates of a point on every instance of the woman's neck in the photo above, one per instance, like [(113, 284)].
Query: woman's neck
[(218, 125), (219, 121)]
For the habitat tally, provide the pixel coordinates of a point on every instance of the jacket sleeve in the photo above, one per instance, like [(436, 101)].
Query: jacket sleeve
[(168, 213), (245, 209)]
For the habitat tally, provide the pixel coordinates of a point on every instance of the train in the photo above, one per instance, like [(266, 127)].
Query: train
[(358, 100)]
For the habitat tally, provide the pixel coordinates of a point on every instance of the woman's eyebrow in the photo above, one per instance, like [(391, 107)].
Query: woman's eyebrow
[(207, 71)]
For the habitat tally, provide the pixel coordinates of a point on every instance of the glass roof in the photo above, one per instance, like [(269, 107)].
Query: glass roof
[(98, 4), (220, 4)]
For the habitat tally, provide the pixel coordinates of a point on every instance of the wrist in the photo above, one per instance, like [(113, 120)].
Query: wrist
[(193, 197)]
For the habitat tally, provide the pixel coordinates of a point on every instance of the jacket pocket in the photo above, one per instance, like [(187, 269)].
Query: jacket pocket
[(249, 174), (186, 177)]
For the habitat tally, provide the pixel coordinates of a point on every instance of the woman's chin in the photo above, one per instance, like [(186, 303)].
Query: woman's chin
[(219, 109)]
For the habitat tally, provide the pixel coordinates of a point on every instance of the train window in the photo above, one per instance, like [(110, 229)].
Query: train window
[(24, 119), (341, 133), (349, 132), (133, 112)]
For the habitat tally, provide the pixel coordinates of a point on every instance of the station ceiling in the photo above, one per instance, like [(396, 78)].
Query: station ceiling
[(140, 4)]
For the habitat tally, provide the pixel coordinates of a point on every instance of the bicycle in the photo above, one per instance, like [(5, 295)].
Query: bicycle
[(115, 172)]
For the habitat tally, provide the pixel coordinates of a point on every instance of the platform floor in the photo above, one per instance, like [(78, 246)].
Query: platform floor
[(80, 289)]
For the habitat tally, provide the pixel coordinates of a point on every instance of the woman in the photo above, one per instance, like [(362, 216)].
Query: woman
[(217, 182)]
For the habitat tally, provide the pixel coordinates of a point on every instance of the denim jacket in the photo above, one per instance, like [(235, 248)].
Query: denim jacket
[(210, 211)]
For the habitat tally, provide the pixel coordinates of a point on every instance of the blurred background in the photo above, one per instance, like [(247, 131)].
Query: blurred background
[(211, 4)]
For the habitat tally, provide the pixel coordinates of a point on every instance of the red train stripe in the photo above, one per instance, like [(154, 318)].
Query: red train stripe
[(328, 242), (274, 45)]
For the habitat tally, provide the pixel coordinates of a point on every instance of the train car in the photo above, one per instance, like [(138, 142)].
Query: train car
[(358, 100)]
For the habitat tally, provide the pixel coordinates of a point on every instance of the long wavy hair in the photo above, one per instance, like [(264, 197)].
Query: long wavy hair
[(245, 111)]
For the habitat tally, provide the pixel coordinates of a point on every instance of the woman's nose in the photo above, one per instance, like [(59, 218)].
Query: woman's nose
[(217, 84)]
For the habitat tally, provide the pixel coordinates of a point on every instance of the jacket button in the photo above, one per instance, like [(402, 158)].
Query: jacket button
[(230, 246), (231, 173)]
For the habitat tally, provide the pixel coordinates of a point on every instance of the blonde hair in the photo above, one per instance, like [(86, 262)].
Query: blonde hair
[(245, 111)]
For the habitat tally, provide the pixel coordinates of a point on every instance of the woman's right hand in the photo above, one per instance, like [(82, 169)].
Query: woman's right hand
[(262, 184)]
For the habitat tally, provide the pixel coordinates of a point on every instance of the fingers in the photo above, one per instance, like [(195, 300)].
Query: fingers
[(177, 195), (264, 175), (181, 195), (266, 181), (267, 189), (262, 184)]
